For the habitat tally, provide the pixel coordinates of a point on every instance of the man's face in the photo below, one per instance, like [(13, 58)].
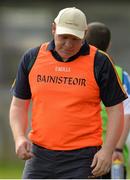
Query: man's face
[(67, 45)]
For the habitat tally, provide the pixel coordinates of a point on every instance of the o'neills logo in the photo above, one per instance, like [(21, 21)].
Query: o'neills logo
[(61, 80)]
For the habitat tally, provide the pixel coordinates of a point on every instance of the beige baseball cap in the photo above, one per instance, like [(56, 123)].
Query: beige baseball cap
[(71, 21)]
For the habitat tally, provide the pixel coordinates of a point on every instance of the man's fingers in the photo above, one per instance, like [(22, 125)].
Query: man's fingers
[(24, 151), (28, 147), (94, 162), (98, 167), (27, 156)]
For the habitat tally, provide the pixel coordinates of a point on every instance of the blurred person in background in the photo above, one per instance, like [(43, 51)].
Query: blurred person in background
[(99, 35), (58, 79)]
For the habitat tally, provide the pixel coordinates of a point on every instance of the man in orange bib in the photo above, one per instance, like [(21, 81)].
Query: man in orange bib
[(66, 79)]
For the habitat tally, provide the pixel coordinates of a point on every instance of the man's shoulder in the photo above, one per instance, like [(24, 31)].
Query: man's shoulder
[(102, 58), (32, 51), (102, 54), (28, 58)]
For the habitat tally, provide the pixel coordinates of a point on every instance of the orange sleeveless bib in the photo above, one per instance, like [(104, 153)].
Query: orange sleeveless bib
[(65, 102)]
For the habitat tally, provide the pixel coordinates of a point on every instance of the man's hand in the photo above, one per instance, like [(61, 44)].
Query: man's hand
[(117, 155), (102, 162), (23, 148)]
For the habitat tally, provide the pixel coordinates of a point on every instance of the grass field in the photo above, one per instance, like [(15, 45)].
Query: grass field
[(14, 170), (128, 173), (11, 170)]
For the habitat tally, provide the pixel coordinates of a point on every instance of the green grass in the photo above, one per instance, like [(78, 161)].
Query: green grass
[(128, 172), (13, 170)]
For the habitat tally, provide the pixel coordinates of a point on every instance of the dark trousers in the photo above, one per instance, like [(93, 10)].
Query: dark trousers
[(49, 164)]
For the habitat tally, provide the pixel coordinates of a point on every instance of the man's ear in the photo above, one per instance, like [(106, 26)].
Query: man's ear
[(109, 46), (84, 37), (85, 34), (53, 28)]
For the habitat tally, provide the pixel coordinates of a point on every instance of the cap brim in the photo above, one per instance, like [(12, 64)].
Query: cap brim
[(75, 32)]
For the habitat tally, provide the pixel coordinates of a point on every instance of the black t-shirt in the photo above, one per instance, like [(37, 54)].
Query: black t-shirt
[(111, 92)]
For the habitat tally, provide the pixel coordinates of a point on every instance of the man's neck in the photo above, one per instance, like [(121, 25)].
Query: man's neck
[(65, 60)]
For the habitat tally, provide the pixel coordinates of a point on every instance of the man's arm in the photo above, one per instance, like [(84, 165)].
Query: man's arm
[(120, 145), (125, 132), (102, 159), (119, 154), (19, 123)]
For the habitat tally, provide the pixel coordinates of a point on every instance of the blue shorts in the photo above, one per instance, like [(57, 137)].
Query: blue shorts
[(51, 164)]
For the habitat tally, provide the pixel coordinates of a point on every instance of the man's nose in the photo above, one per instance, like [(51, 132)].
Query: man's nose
[(69, 44)]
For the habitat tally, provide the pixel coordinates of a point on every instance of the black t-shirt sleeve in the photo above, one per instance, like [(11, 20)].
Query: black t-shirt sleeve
[(21, 87), (111, 89)]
